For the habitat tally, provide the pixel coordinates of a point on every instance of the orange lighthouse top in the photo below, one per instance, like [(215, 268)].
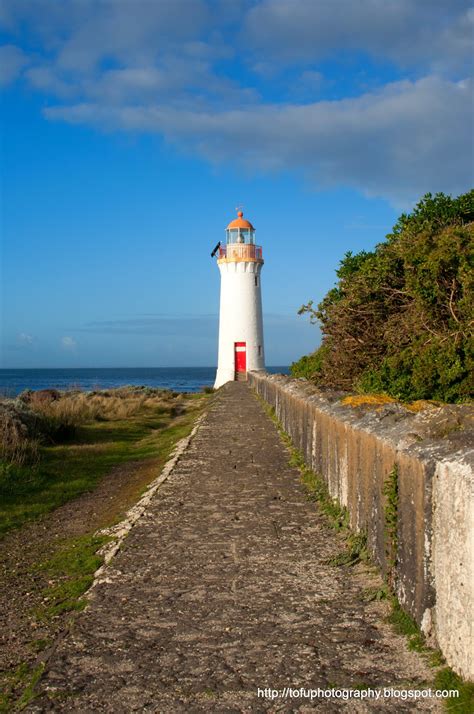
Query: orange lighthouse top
[(240, 243), (240, 222)]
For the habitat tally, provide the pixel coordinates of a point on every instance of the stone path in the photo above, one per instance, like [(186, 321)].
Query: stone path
[(223, 588)]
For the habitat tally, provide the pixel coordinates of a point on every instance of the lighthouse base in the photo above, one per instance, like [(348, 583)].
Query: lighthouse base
[(229, 375), (223, 376)]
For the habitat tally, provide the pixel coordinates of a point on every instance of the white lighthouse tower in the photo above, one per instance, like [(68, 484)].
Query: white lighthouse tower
[(240, 320)]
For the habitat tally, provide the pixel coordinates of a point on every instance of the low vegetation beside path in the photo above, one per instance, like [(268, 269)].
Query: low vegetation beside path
[(56, 445), (71, 465)]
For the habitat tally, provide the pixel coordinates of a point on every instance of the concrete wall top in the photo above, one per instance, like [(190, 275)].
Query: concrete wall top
[(435, 433)]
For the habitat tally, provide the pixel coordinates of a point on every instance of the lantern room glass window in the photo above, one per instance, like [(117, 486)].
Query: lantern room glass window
[(241, 235)]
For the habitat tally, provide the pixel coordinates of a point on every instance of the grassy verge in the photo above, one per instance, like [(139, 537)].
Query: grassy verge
[(72, 567), (144, 440), (65, 471), (25, 679), (356, 551), (71, 573), (447, 679)]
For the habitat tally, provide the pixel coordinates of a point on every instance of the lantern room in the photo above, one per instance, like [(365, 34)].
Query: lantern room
[(240, 230), (240, 242)]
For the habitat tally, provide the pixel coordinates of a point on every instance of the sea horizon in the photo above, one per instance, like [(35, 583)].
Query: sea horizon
[(13, 381)]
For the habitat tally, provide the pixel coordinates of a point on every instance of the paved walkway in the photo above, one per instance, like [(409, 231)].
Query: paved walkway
[(223, 588)]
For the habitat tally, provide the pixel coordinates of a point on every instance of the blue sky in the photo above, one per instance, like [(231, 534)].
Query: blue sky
[(131, 130)]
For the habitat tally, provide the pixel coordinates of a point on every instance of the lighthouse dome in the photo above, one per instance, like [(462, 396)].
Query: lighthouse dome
[(240, 222)]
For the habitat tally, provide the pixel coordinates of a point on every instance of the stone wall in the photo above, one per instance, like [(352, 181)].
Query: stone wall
[(355, 449)]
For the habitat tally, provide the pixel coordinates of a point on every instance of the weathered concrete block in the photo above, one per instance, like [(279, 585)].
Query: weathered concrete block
[(355, 451), (453, 561)]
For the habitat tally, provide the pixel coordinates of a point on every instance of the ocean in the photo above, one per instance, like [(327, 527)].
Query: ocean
[(178, 379)]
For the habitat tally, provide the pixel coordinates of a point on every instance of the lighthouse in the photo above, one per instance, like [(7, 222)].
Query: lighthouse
[(240, 318)]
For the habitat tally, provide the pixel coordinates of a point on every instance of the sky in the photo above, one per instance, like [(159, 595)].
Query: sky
[(131, 129)]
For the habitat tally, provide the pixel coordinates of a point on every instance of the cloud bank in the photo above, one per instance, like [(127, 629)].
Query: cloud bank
[(251, 82)]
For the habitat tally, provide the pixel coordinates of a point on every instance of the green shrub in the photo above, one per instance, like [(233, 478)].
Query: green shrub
[(400, 318), (309, 366)]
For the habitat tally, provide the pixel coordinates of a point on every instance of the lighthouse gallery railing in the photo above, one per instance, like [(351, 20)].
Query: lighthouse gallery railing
[(240, 251)]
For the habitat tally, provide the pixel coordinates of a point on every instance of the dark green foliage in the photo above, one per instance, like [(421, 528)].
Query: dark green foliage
[(338, 516), (400, 318), (404, 624), (355, 551), (309, 366), (436, 212), (464, 703), (390, 491)]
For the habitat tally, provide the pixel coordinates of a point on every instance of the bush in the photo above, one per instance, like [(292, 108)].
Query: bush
[(61, 417), (48, 416), (400, 318), (19, 434), (309, 366)]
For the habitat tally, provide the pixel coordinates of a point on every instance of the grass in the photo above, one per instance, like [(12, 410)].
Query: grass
[(355, 545), (404, 624), (355, 551), (390, 492), (447, 679), (65, 471), (26, 678), (71, 570), (18, 677), (372, 594), (146, 435), (316, 490), (29, 691)]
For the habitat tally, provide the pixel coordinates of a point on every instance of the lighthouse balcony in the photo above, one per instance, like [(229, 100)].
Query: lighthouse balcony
[(237, 252)]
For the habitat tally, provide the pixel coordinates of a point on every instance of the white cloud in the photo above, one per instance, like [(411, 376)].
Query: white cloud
[(137, 65), (434, 35), (12, 61), (398, 142), (83, 32), (68, 343), (44, 78)]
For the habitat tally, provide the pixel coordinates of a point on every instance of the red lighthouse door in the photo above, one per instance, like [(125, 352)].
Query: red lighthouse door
[(240, 358)]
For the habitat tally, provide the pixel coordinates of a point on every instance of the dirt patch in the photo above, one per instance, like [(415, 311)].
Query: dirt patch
[(22, 584)]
